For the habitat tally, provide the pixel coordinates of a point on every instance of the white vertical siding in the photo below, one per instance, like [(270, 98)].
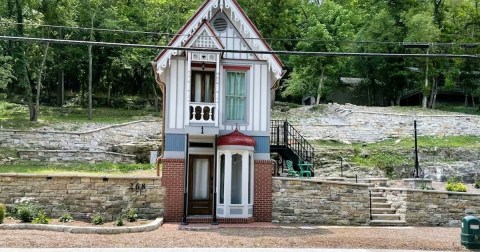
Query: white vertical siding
[(264, 101), (172, 93), (180, 94), (257, 106)]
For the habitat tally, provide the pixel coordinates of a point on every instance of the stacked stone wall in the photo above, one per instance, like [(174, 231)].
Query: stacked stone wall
[(62, 156), (320, 202), (82, 196)]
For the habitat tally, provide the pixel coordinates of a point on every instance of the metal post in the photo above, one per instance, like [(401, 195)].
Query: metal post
[(185, 183), (370, 196), (416, 149), (285, 133), (341, 166), (214, 217)]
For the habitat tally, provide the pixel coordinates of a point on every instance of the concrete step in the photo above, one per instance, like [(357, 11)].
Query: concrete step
[(385, 217), (387, 223), (383, 211), (379, 200), (377, 194), (381, 205)]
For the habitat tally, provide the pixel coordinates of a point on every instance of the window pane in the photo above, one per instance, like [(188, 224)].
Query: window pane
[(222, 179), (200, 179), (235, 107), (236, 179)]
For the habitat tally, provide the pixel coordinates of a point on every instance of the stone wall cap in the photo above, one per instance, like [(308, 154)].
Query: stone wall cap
[(323, 181), (426, 191), (3, 175)]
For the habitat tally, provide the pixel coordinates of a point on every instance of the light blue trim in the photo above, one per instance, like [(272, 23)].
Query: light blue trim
[(175, 142), (262, 144)]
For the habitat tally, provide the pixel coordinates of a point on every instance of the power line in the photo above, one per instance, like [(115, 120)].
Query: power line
[(300, 53), (169, 35)]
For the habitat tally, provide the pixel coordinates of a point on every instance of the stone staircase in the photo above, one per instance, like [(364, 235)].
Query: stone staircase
[(382, 212)]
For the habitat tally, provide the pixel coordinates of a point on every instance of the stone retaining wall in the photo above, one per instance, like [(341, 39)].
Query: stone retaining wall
[(433, 208), (98, 139), (62, 156), (320, 202), (82, 196), (353, 124)]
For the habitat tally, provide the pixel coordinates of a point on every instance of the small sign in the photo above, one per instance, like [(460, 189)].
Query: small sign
[(474, 226)]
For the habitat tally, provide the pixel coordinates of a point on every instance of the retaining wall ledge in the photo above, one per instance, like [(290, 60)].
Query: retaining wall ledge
[(75, 176), (324, 181)]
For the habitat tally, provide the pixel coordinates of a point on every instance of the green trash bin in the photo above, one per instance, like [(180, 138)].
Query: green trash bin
[(470, 236)]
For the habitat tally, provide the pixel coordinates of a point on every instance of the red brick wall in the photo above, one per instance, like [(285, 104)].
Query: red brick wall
[(172, 180), (262, 201)]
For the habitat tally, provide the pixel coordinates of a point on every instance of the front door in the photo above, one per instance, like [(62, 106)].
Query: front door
[(200, 185)]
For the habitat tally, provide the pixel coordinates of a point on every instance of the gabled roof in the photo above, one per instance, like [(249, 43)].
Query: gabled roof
[(238, 18), (205, 32)]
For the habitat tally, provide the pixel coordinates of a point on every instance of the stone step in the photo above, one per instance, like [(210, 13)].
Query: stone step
[(377, 194), (383, 211), (381, 205), (379, 199), (387, 223), (385, 216)]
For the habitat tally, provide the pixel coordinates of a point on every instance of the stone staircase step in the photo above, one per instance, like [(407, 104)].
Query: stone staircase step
[(387, 223), (385, 217), (383, 211), (379, 200), (377, 194), (381, 205)]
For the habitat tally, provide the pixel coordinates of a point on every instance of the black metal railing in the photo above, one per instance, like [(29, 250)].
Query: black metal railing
[(282, 133), (370, 196)]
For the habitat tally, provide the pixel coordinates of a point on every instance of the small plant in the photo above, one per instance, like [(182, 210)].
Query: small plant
[(97, 219), (131, 215), (3, 209), (41, 218), (477, 184), (26, 211), (456, 187), (119, 222), (66, 218), (425, 186)]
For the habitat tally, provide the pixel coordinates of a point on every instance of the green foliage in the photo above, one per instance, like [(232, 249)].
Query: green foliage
[(41, 218), (477, 184), (26, 211), (99, 168), (456, 187), (119, 222), (425, 186), (131, 214), (66, 218), (383, 160), (3, 210), (97, 219)]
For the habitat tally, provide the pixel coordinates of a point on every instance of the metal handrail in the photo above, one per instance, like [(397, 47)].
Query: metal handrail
[(370, 197), (292, 139), (342, 160)]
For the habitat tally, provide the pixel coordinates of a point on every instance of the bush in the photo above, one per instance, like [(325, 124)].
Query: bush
[(119, 222), (3, 209), (97, 219), (456, 187), (66, 218), (131, 215), (41, 218), (26, 212)]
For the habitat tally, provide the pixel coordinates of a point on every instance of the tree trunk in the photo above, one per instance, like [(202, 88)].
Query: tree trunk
[(473, 101), (39, 83), (320, 87), (433, 94), (425, 97), (90, 71), (466, 100)]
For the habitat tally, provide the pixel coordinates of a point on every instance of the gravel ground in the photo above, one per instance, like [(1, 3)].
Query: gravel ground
[(424, 238)]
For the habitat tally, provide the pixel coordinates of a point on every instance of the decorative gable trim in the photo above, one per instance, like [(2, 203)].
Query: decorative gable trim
[(238, 18), (204, 37)]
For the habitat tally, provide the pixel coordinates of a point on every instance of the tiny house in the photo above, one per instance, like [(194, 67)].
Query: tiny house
[(216, 149)]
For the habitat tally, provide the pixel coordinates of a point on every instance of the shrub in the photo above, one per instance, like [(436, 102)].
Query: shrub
[(97, 219), (3, 209), (131, 214), (41, 218), (456, 187), (26, 212), (119, 222), (477, 184), (66, 218)]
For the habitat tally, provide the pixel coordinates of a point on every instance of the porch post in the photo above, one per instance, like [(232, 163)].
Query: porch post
[(214, 217), (185, 183)]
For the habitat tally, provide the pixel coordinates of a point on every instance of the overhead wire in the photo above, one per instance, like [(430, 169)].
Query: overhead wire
[(170, 35), (301, 53)]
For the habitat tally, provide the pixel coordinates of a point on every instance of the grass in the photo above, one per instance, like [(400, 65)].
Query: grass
[(460, 109), (16, 116), (83, 169), (468, 142)]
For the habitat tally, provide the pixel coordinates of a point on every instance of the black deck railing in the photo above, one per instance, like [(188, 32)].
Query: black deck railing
[(282, 133)]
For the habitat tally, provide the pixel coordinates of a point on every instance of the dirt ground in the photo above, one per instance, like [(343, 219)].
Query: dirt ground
[(169, 235)]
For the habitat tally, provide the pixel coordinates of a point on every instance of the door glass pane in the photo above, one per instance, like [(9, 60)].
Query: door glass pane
[(222, 179), (236, 179), (200, 179), (198, 88)]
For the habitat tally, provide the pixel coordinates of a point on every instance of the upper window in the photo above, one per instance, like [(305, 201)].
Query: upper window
[(236, 99)]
